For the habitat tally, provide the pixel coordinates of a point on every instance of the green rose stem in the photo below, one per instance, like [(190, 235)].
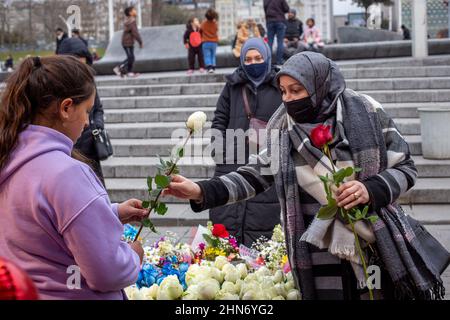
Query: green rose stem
[(327, 152), (172, 168), (358, 246)]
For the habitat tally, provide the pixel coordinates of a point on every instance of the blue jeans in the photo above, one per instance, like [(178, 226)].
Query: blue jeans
[(278, 29), (209, 54)]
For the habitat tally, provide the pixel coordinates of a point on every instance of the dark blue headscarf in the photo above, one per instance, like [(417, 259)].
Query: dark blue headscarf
[(259, 45)]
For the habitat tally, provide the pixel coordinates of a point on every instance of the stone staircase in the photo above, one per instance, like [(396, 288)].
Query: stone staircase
[(142, 113)]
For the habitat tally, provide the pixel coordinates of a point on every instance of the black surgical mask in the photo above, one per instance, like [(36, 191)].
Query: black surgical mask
[(302, 110)]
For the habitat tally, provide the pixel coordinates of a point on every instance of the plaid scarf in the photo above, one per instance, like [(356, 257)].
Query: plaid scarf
[(401, 253)]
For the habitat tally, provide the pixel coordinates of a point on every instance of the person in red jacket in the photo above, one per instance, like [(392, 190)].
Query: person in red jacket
[(15, 284), (129, 36)]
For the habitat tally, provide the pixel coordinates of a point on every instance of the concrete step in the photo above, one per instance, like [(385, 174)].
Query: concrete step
[(152, 147), (209, 100), (426, 191), (156, 90), (141, 167), (167, 101), (408, 126), (163, 146), (154, 114), (409, 109), (144, 130), (395, 110), (180, 214), (429, 214), (429, 191), (398, 96), (217, 87), (349, 72), (122, 189)]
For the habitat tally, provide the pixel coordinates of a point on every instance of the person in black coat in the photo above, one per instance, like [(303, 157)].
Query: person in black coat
[(294, 31), (86, 144), (60, 37), (247, 220)]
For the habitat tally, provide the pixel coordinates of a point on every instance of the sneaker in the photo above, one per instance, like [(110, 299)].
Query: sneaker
[(117, 71), (202, 70), (132, 75), (211, 71), (190, 72)]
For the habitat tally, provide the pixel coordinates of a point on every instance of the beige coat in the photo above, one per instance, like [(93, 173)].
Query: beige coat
[(243, 35)]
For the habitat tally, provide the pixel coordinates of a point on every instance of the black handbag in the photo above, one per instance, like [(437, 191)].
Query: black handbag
[(102, 144), (438, 255)]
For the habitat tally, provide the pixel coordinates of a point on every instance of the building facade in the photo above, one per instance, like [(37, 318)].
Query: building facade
[(437, 16)]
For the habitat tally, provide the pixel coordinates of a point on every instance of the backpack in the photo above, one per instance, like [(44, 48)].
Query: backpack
[(195, 39)]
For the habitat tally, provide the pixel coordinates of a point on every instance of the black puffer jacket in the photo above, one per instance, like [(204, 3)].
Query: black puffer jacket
[(247, 220)]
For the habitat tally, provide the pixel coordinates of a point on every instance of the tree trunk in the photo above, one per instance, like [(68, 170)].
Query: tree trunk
[(366, 13), (156, 12)]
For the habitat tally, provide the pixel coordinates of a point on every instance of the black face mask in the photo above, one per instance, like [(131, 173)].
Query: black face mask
[(302, 110)]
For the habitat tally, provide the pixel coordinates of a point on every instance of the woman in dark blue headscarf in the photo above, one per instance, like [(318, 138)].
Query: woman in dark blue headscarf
[(255, 77)]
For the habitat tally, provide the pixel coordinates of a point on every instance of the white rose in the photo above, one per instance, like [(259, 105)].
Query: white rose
[(170, 289), (250, 286), (271, 292), (196, 120), (279, 298), (196, 274), (278, 277), (150, 293), (293, 295), (250, 295), (230, 287), (208, 289), (266, 282), (228, 266), (262, 295), (135, 294), (289, 285), (216, 274), (222, 295), (238, 285), (251, 277), (289, 276), (191, 293), (242, 268), (262, 272), (281, 290), (232, 275)]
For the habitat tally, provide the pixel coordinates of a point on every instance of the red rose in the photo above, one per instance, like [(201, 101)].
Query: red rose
[(220, 231), (321, 135)]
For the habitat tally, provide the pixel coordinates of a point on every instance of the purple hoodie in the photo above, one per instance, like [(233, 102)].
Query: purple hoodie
[(55, 213)]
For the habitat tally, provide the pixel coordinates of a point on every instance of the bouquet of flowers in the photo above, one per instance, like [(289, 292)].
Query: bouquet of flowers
[(218, 242), (273, 253), (221, 280), (165, 258)]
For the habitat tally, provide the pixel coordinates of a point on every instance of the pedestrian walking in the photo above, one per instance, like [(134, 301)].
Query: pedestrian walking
[(129, 36)]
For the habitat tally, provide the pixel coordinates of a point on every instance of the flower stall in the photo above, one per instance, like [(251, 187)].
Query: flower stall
[(215, 269)]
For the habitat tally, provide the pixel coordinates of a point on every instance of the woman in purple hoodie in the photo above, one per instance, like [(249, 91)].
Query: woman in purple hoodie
[(56, 220)]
